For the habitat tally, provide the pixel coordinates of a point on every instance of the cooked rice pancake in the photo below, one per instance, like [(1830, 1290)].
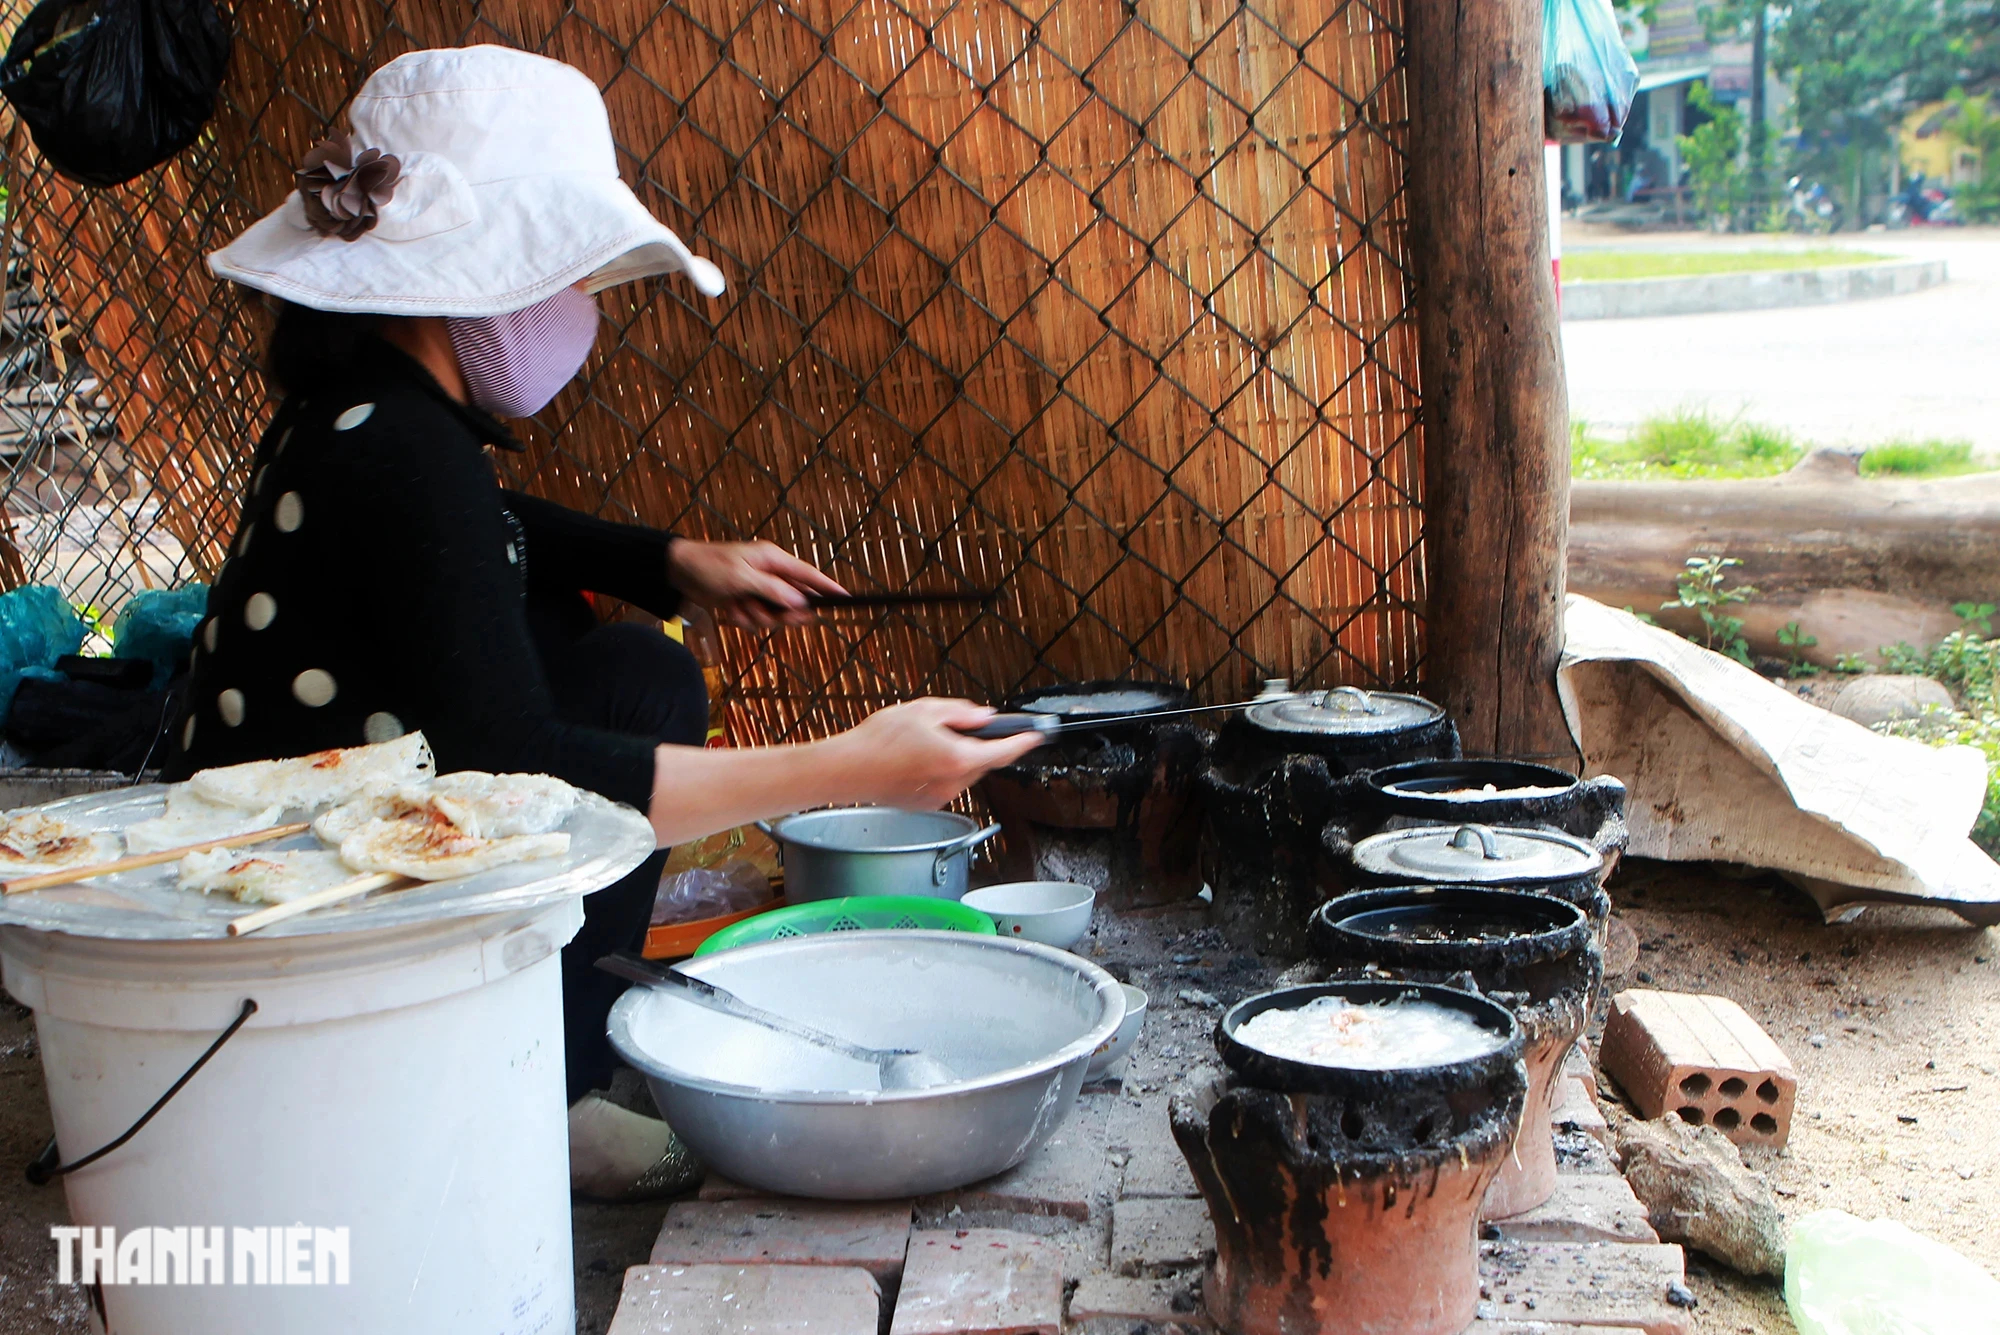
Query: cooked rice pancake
[(436, 848), (32, 841), (402, 803), (324, 779), (264, 877), (191, 818), (497, 806), (484, 806)]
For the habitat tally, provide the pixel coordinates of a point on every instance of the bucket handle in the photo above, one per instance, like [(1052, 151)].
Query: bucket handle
[(940, 865), (47, 1166)]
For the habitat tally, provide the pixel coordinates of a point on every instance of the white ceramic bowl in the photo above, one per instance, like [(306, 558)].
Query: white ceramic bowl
[(1055, 913), (1111, 1049)]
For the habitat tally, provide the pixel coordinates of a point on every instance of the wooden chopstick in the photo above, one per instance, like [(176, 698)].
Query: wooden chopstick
[(43, 880), (292, 908)]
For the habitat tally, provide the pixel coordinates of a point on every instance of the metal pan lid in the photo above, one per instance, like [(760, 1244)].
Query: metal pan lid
[(1345, 711), (1478, 854)]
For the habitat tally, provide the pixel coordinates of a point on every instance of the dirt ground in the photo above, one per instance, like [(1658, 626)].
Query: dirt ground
[(1893, 1021)]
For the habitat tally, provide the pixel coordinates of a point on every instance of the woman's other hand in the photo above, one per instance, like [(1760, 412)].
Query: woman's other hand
[(918, 754), (755, 584)]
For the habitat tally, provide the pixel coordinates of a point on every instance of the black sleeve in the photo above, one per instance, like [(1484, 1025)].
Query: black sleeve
[(447, 603), (569, 552)]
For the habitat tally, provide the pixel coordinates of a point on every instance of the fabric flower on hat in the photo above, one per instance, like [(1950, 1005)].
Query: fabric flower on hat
[(344, 190)]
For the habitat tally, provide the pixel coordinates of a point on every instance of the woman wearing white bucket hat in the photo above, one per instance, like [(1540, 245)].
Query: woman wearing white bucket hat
[(435, 270)]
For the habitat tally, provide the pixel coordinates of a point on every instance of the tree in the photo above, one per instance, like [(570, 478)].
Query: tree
[(1714, 158), (1856, 67), (1974, 125)]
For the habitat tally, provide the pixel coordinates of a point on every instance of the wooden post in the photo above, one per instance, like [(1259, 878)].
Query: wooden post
[(1496, 418)]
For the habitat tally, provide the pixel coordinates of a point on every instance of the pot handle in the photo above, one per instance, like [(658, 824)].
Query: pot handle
[(940, 872), (1466, 836)]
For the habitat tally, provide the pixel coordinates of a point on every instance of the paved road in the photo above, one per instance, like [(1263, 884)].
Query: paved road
[(1921, 366)]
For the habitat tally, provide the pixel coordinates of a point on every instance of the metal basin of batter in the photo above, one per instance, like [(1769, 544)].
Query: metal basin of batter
[(1015, 1020)]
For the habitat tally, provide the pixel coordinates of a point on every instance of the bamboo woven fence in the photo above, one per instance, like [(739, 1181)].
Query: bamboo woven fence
[(1101, 304)]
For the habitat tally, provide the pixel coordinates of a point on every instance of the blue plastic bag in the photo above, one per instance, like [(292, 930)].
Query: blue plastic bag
[(37, 626), (159, 625), (1588, 78)]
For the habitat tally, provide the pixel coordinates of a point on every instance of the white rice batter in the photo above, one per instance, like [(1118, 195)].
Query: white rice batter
[(1392, 1035), (1477, 794), (1100, 702)]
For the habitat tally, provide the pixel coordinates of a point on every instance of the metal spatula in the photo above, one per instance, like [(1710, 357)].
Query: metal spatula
[(900, 1068)]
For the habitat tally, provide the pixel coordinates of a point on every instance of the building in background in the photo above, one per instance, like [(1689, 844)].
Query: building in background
[(1644, 170)]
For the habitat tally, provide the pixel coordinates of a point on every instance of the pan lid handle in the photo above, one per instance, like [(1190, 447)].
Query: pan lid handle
[(1468, 835)]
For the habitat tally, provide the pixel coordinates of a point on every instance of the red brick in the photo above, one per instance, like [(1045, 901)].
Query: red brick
[(1547, 1328), (1149, 1237), (747, 1300), (1593, 1207), (1704, 1058), (979, 1281), (1607, 1284), (777, 1231), (1577, 1065), (1576, 1109), (1154, 1164), (1154, 1300)]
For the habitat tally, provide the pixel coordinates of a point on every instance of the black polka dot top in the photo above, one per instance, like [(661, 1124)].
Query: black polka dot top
[(377, 582)]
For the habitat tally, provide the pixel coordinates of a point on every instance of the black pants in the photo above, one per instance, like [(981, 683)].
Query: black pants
[(623, 678)]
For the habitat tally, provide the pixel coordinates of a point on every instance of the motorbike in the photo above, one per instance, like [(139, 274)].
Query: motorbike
[(1812, 207), (1921, 204)]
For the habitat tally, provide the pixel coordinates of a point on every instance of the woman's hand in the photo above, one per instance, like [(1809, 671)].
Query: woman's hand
[(918, 754), (753, 584)]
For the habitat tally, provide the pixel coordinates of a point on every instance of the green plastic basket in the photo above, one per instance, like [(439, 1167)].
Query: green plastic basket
[(860, 913)]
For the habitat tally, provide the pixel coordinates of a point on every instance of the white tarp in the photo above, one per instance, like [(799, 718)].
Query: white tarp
[(1722, 764)]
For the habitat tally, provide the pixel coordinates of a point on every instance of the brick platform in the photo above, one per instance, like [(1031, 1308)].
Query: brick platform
[(1107, 1205), (747, 1300), (770, 1231), (979, 1281), (1701, 1057)]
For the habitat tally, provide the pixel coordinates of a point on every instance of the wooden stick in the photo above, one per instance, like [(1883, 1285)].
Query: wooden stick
[(292, 908), (43, 880)]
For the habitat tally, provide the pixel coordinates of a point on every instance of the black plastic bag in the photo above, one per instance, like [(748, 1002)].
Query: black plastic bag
[(110, 88), (1588, 78)]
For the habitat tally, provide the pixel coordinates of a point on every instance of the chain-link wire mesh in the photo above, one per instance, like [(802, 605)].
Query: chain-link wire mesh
[(1098, 304)]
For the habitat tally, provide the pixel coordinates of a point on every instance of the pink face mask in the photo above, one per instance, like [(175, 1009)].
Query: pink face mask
[(513, 364)]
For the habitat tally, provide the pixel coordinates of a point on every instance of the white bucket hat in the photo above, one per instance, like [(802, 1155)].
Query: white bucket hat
[(504, 191)]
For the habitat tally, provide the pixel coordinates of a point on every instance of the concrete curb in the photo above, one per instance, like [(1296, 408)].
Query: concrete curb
[(1767, 290)]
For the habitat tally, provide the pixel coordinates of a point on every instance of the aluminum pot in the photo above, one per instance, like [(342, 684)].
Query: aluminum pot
[(876, 851), (1019, 1021)]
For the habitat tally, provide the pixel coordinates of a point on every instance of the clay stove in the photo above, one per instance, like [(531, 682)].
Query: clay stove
[(1349, 1199), (1279, 772), (1110, 809), (1534, 954)]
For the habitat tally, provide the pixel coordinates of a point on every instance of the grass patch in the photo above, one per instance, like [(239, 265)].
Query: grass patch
[(1687, 444), (1595, 266), (1920, 458), (1693, 444)]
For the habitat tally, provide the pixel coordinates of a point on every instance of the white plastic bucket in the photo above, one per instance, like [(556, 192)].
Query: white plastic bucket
[(404, 1084)]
